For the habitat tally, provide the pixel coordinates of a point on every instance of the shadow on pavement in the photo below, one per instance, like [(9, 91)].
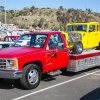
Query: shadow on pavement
[(70, 74), (93, 95), (10, 84), (46, 77)]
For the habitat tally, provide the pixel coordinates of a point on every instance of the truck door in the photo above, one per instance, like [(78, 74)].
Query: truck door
[(56, 57), (92, 42), (97, 34)]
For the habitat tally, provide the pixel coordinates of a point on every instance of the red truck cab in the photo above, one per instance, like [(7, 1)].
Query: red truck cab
[(32, 55)]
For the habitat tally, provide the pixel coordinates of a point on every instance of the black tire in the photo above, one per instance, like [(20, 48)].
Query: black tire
[(1, 79), (31, 76), (63, 70), (98, 47), (78, 48)]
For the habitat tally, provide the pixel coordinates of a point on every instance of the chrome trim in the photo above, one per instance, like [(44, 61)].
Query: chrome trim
[(33, 77), (6, 63), (84, 63), (10, 75)]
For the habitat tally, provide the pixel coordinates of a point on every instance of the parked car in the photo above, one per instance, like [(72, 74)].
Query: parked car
[(10, 38), (5, 45)]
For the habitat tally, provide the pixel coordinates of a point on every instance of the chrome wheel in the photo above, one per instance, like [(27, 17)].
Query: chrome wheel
[(79, 46), (33, 77)]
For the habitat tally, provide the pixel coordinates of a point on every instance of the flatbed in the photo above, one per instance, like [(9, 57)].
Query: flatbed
[(86, 60)]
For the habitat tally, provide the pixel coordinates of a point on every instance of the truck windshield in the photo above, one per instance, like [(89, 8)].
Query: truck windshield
[(77, 28), (31, 40)]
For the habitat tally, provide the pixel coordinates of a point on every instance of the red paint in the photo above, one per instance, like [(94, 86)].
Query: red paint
[(82, 56)]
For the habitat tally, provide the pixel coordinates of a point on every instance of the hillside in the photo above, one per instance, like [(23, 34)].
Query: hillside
[(47, 18)]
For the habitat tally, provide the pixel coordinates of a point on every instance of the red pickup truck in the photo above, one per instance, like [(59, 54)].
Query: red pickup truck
[(32, 55)]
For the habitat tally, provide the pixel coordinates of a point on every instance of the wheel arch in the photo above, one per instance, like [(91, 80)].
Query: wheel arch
[(99, 43), (98, 47), (37, 62)]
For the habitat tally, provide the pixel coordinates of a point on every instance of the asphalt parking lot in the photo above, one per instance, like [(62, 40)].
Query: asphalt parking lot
[(84, 85)]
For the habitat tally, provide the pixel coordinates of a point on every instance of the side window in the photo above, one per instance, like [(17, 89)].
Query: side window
[(6, 40), (53, 42), (55, 39), (92, 28)]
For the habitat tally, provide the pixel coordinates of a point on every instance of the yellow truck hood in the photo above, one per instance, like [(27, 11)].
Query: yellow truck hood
[(80, 32)]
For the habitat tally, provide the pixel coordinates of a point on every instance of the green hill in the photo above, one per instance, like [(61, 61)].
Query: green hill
[(47, 18)]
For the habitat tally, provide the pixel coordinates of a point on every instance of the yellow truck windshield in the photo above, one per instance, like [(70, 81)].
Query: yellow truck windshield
[(77, 27)]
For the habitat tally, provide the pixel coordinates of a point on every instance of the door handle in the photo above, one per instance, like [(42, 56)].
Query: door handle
[(65, 50)]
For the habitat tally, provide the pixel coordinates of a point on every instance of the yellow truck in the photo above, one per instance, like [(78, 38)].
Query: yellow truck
[(82, 35)]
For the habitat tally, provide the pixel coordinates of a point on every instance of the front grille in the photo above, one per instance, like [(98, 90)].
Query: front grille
[(2, 63)]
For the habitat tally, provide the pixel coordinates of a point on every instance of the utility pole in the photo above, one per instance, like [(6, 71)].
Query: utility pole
[(5, 11)]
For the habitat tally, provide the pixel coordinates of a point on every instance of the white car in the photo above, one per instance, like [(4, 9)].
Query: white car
[(5, 44)]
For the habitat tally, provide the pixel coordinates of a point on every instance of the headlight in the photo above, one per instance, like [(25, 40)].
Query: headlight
[(11, 64)]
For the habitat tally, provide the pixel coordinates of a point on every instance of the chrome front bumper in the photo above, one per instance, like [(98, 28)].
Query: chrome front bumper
[(10, 75)]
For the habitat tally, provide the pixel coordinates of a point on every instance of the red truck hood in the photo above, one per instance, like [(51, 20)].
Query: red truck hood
[(17, 52)]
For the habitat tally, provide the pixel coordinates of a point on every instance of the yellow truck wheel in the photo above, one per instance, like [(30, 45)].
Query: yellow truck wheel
[(78, 48)]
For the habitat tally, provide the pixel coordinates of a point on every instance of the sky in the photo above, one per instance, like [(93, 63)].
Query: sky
[(94, 5)]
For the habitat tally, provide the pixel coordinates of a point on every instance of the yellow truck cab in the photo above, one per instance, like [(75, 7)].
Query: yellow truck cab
[(89, 31)]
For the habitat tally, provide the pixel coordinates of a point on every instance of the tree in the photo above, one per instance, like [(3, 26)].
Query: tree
[(22, 26), (88, 10), (12, 13), (25, 11), (70, 10), (2, 8), (41, 22), (35, 24), (46, 25), (61, 8), (32, 9), (2, 17)]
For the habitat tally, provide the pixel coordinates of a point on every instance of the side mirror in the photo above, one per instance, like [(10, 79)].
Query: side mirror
[(60, 46), (90, 31)]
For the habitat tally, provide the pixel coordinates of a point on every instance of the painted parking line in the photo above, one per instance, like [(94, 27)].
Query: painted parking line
[(92, 74), (24, 96), (97, 74)]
